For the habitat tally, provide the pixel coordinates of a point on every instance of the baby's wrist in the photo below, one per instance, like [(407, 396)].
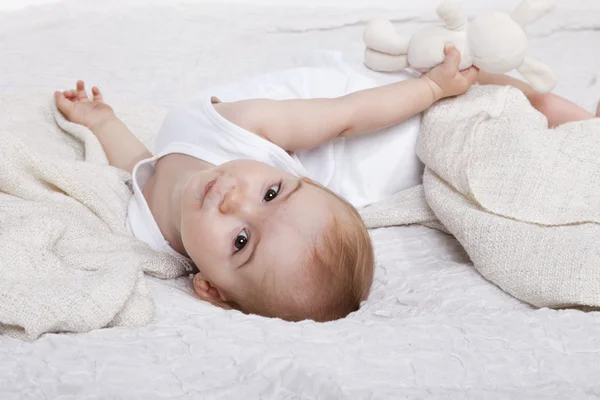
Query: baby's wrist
[(101, 123), (436, 90)]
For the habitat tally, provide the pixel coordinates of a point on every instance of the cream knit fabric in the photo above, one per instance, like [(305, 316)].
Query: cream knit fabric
[(523, 200), (67, 262)]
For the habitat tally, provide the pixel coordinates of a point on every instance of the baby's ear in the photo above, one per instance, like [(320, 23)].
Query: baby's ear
[(207, 292)]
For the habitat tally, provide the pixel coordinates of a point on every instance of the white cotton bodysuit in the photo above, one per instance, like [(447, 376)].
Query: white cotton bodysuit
[(362, 169)]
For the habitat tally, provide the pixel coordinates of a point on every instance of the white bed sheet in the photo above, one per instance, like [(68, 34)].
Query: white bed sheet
[(432, 328)]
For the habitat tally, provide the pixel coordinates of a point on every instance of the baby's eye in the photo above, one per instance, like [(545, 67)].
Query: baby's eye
[(240, 241), (272, 192)]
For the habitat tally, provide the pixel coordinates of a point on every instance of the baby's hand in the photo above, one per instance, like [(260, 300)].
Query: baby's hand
[(78, 108), (446, 80)]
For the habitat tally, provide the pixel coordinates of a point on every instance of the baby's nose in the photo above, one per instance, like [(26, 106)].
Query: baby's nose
[(232, 201), (237, 199)]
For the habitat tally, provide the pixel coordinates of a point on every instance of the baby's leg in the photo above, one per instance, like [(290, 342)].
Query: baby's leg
[(558, 110)]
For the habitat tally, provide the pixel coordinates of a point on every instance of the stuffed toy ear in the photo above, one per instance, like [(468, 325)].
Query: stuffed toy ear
[(531, 10), (380, 35), (451, 12), (539, 75)]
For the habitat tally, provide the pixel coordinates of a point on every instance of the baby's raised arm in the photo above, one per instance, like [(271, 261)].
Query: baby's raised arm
[(304, 124), (122, 148)]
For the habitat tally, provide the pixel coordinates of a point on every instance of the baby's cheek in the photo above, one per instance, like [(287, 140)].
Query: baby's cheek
[(193, 238), (213, 247)]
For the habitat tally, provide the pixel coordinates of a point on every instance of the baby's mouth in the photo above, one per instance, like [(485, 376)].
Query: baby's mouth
[(207, 189)]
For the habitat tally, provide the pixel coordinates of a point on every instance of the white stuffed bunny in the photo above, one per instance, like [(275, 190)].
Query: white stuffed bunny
[(494, 42)]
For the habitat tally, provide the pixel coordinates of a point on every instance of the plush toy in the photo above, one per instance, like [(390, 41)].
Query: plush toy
[(494, 42)]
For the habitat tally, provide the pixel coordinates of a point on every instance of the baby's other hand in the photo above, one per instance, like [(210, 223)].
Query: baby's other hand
[(446, 80), (78, 108)]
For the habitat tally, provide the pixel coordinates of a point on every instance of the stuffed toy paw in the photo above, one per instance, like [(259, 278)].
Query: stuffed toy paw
[(494, 42)]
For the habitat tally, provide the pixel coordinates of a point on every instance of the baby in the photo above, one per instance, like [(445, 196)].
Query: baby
[(259, 191)]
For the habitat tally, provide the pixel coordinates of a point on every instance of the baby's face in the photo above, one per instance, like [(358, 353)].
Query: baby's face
[(250, 228)]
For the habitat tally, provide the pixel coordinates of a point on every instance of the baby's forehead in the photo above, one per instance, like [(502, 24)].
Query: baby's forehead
[(284, 259), (287, 238), (291, 233), (287, 242)]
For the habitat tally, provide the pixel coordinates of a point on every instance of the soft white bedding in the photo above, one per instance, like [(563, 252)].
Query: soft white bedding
[(433, 328)]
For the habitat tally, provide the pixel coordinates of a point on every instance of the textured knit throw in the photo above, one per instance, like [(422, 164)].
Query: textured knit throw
[(522, 199), (67, 261)]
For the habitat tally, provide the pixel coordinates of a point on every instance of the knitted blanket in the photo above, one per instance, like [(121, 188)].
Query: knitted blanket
[(522, 199), (67, 261)]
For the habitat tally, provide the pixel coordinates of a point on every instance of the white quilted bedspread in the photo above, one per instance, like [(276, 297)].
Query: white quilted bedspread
[(433, 328)]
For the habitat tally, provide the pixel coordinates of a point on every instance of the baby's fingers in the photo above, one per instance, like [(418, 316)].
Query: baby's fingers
[(81, 94), (452, 58), (69, 94), (63, 104), (97, 94), (470, 74)]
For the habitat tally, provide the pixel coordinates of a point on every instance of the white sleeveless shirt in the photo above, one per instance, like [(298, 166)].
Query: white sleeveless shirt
[(362, 169)]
